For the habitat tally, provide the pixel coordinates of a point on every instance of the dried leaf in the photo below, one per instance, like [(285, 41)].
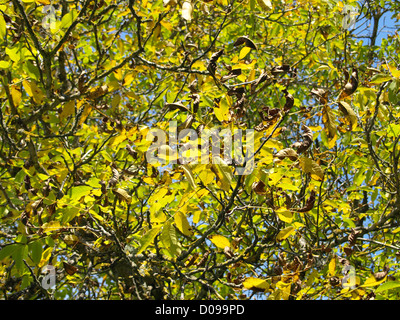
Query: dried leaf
[(349, 113), (176, 105), (287, 153), (328, 119), (70, 269), (212, 66), (259, 187), (321, 94), (187, 11), (245, 40), (289, 101), (123, 195), (351, 85), (309, 204), (308, 138)]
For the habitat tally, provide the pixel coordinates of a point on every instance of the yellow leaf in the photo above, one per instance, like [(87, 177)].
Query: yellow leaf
[(394, 71), (371, 282), (243, 52), (285, 289), (34, 91), (255, 284), (311, 167), (285, 215), (68, 109), (16, 94), (224, 173), (85, 113), (118, 139), (284, 233), (189, 176), (349, 114), (182, 223), (220, 241), (45, 257), (222, 111), (2, 27), (51, 226), (332, 266), (328, 119)]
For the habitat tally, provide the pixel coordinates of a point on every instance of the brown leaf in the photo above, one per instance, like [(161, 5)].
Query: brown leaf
[(176, 105), (193, 86), (259, 187), (263, 77), (351, 86), (287, 153), (270, 114), (195, 101), (212, 66), (289, 101), (115, 177), (380, 275), (308, 138), (244, 39), (232, 74), (353, 237), (309, 204), (132, 152), (70, 269), (334, 281), (321, 94), (285, 68)]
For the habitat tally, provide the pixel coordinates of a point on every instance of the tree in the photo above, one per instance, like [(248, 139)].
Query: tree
[(85, 83)]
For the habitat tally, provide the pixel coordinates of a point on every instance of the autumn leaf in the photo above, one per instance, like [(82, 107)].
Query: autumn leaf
[(187, 11), (182, 223), (220, 241), (285, 233), (312, 168), (255, 284), (349, 114)]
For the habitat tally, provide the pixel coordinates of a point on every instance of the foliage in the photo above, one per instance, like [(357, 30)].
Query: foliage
[(83, 82)]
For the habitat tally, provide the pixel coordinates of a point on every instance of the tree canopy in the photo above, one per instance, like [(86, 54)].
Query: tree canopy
[(84, 83)]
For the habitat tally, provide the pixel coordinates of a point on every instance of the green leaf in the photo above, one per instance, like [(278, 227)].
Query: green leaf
[(380, 78), (7, 251), (387, 286), (148, 238), (19, 254), (78, 192), (36, 250)]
